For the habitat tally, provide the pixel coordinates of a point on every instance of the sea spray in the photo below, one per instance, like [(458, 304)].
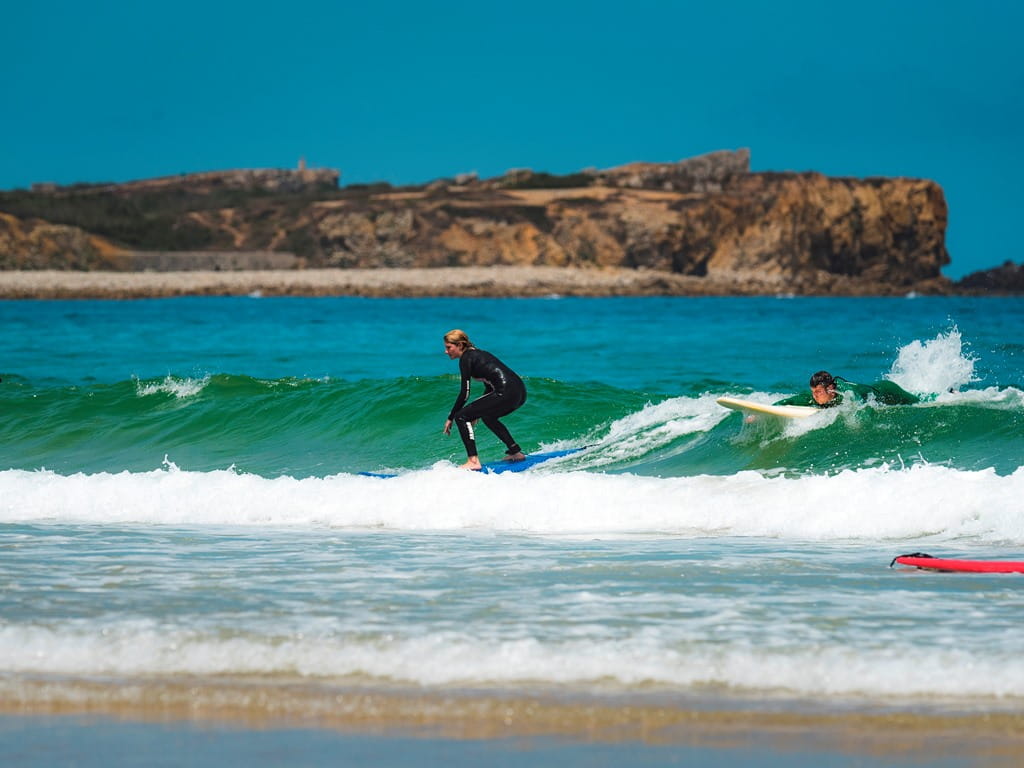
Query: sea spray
[(934, 366)]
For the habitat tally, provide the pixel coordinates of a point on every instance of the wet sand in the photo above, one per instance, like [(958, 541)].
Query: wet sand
[(498, 281), (520, 727)]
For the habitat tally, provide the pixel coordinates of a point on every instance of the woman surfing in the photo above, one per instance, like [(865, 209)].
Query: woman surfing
[(503, 393)]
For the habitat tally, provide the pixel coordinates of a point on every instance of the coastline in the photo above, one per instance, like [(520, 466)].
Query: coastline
[(482, 282), (755, 728)]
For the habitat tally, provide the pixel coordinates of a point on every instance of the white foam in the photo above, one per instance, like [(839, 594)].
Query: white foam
[(180, 388), (652, 428), (872, 503), (935, 366), (1005, 399), (131, 649)]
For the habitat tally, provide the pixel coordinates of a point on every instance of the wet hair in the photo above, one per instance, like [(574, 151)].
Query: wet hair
[(822, 377), (458, 338)]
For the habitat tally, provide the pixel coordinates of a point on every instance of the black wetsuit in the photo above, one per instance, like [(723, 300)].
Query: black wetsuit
[(884, 392), (504, 391)]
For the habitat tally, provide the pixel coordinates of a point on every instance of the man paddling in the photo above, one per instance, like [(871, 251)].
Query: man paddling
[(827, 391)]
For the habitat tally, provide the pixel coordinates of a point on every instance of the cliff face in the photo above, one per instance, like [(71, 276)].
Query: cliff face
[(38, 244), (803, 232), (705, 217)]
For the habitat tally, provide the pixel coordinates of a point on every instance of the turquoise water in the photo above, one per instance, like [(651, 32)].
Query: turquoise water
[(179, 496), (313, 387)]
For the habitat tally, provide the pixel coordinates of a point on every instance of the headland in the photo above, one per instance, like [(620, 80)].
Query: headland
[(702, 226)]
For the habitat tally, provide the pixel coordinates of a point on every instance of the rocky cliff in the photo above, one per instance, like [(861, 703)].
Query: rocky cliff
[(707, 217), (33, 243), (1007, 278)]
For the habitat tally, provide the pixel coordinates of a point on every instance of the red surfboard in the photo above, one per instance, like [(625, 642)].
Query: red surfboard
[(921, 560)]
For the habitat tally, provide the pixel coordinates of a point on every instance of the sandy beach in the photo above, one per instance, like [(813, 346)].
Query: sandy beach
[(450, 281), (752, 734)]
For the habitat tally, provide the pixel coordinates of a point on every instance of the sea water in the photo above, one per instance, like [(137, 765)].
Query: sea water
[(180, 499)]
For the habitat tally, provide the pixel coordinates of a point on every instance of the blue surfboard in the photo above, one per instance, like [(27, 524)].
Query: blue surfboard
[(497, 467), (531, 460)]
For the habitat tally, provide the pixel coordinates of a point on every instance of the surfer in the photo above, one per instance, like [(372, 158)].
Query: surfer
[(827, 391), (503, 393)]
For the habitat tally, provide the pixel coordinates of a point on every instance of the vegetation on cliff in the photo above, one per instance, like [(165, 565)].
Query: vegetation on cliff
[(704, 217)]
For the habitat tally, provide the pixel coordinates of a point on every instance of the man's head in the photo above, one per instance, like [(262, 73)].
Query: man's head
[(823, 387)]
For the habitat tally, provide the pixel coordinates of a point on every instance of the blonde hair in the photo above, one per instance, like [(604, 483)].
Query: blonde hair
[(458, 338)]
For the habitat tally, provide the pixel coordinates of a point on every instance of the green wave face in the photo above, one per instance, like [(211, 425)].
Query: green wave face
[(319, 427)]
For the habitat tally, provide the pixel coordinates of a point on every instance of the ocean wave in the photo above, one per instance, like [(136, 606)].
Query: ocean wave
[(436, 659), (316, 427), (872, 503)]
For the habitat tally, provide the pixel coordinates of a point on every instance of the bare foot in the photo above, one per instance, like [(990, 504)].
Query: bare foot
[(516, 457), (473, 464)]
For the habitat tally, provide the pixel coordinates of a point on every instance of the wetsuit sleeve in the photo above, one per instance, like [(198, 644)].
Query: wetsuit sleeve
[(464, 369), (862, 391), (797, 400), (891, 393)]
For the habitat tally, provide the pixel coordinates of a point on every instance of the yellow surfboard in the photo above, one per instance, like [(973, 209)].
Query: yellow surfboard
[(782, 411)]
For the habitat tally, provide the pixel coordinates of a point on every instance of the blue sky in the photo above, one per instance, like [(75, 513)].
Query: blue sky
[(407, 92)]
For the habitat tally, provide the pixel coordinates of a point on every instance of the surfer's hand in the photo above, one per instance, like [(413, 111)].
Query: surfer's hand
[(448, 427)]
